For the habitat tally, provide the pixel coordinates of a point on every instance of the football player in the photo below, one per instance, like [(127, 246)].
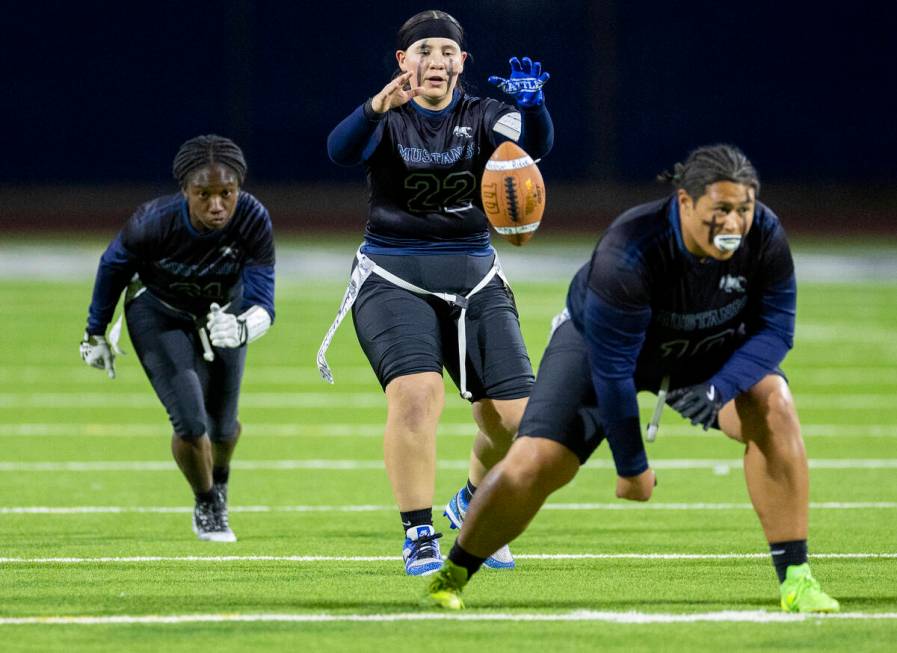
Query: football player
[(427, 292), (199, 270), (697, 292)]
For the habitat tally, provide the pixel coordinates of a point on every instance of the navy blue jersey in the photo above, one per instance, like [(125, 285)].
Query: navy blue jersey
[(185, 268), (424, 168), (649, 308)]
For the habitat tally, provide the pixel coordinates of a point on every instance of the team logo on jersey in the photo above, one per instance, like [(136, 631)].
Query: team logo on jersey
[(462, 132), (732, 284), (228, 251)]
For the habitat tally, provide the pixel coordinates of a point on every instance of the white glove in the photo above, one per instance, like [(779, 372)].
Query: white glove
[(225, 330), (228, 330), (95, 352)]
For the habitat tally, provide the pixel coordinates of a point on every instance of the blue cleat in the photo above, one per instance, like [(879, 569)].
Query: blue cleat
[(421, 551), (456, 509)]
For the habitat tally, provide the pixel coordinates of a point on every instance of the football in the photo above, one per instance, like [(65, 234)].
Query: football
[(513, 193)]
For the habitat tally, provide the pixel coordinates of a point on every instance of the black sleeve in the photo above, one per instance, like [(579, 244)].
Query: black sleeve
[(258, 274), (356, 137)]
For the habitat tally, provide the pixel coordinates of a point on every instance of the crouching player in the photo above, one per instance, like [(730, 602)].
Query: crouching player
[(199, 268), (696, 291)]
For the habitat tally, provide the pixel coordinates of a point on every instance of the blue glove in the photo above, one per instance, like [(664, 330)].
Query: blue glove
[(525, 83), (699, 403)]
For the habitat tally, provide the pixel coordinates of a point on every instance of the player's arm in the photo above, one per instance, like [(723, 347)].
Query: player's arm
[(257, 309), (530, 126), (766, 348), (614, 336), (117, 266), (357, 136)]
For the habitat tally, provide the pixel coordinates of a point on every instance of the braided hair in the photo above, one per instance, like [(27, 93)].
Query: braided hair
[(710, 164), (205, 150)]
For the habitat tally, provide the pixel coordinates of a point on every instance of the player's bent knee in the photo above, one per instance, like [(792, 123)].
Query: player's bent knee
[(217, 434), (416, 397), (189, 436), (541, 463), (189, 430), (781, 409)]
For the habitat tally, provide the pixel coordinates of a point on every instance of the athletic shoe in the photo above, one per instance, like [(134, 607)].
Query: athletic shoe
[(455, 511), (801, 592), (210, 521), (421, 551), (444, 591)]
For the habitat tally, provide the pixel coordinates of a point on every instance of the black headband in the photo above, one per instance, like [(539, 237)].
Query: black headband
[(432, 28)]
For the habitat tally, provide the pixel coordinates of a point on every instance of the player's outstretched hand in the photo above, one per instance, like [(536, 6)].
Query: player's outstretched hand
[(636, 488), (699, 403), (95, 351), (225, 330), (398, 92), (525, 82)]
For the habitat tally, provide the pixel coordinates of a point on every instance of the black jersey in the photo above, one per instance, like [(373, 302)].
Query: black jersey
[(648, 308), (185, 268), (700, 310), (424, 175)]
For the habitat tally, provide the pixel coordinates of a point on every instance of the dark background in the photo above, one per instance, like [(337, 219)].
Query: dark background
[(98, 97)]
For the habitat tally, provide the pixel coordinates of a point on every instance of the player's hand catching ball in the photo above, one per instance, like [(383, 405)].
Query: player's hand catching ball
[(95, 351), (225, 330), (636, 488), (395, 94), (698, 403), (525, 83)]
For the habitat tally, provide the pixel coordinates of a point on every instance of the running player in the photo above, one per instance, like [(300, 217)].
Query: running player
[(696, 291), (427, 292), (199, 271)]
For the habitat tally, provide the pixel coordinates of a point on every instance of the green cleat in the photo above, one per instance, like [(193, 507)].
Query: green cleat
[(444, 589), (801, 592)]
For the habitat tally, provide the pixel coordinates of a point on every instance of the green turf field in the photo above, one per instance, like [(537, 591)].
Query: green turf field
[(95, 518)]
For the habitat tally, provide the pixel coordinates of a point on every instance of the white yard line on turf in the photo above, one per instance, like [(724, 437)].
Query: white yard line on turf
[(718, 466), (306, 375), (157, 430), (874, 375), (628, 618), (71, 560), (68, 400), (82, 510)]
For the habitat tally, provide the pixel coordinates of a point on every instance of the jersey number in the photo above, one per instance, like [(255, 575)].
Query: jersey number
[(212, 289), (684, 347), (450, 194)]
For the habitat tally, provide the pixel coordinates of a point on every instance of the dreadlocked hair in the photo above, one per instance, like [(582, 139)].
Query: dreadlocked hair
[(205, 150), (709, 164)]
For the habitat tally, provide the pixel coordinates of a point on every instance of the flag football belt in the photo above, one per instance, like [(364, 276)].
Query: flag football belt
[(365, 268), (133, 291)]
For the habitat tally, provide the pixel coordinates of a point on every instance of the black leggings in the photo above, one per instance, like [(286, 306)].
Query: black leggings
[(199, 396)]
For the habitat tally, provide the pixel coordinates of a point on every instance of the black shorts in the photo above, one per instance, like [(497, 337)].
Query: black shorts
[(563, 406), (404, 333), (199, 396)]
